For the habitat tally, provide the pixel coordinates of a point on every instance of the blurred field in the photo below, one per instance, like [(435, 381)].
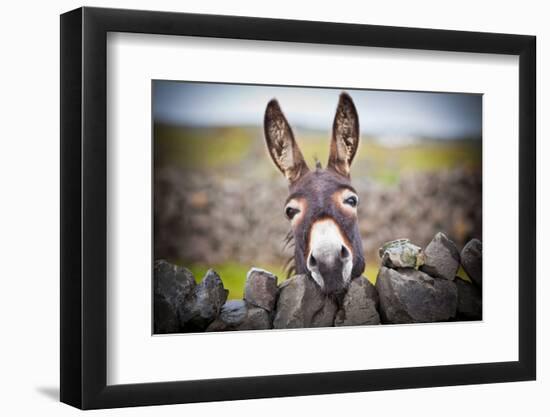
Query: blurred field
[(225, 149), (218, 196)]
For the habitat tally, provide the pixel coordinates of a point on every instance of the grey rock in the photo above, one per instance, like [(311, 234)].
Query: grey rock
[(301, 304), (239, 315), (441, 258), (359, 306), (256, 319), (469, 306), (233, 312), (203, 305), (325, 316), (231, 315), (401, 253), (411, 296), (471, 261), (261, 289), (172, 285)]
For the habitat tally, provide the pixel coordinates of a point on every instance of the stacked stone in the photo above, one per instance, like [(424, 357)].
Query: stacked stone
[(255, 311), (413, 286), (181, 305), (469, 293), (417, 286), (296, 303), (302, 304)]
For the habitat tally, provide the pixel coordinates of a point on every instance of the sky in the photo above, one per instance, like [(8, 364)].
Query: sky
[(382, 113)]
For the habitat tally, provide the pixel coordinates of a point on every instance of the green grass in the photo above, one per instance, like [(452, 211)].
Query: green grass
[(387, 164), (233, 275), (237, 148), (202, 148), (462, 274)]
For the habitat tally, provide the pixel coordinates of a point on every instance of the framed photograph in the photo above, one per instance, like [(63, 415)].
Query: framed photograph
[(257, 208)]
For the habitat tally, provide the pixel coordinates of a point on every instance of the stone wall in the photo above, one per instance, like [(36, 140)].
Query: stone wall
[(202, 219), (414, 285)]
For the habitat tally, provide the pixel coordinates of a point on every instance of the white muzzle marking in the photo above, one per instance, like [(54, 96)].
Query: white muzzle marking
[(326, 242)]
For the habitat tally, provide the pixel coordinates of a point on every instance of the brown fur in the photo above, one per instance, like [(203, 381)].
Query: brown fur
[(319, 187)]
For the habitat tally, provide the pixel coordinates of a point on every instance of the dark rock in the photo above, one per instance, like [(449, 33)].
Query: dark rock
[(261, 289), (359, 306), (231, 315), (325, 316), (172, 284), (301, 304), (239, 315), (401, 253), (233, 312), (441, 258), (203, 305), (471, 261), (165, 316), (469, 305), (256, 319), (411, 296)]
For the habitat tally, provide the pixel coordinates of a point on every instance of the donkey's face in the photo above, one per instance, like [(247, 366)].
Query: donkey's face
[(322, 205)]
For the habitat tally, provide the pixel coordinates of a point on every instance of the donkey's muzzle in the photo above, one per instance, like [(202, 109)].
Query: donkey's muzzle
[(330, 260), (331, 274)]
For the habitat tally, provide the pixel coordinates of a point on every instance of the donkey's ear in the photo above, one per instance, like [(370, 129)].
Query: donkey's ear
[(345, 136), (281, 144)]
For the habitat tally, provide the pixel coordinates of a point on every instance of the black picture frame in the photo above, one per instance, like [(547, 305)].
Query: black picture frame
[(84, 207)]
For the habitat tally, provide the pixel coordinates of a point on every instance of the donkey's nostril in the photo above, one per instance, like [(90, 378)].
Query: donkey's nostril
[(344, 252), (312, 261)]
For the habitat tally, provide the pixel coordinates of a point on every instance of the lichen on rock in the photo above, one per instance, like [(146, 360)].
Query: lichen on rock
[(401, 253)]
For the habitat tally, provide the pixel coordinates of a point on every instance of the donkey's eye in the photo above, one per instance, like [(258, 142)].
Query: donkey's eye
[(291, 212), (351, 201)]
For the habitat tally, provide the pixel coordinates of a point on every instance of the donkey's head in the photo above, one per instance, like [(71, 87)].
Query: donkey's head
[(322, 205)]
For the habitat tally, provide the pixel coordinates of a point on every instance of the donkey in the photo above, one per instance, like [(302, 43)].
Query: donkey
[(322, 204)]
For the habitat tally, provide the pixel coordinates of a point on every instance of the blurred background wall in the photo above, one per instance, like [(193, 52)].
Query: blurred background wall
[(219, 199)]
